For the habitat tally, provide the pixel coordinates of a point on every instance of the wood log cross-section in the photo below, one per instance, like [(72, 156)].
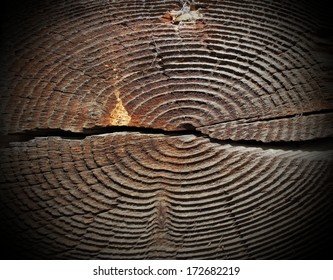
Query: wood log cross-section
[(125, 136)]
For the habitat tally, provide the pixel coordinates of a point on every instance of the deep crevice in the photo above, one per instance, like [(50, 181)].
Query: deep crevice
[(65, 134), (322, 144)]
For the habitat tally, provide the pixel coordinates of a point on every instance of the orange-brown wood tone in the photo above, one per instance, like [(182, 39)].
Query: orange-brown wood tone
[(206, 135)]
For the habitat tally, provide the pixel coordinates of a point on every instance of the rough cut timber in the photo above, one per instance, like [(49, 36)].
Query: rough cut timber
[(75, 65), (189, 175), (129, 195), (296, 128)]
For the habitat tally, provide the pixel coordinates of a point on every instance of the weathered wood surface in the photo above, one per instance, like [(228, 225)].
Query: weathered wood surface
[(82, 64), (249, 71), (297, 128), (155, 196)]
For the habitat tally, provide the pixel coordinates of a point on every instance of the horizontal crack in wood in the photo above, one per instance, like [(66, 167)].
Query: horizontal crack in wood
[(310, 145)]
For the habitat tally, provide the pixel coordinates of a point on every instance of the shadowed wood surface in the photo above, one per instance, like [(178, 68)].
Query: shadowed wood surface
[(156, 196), (225, 150), (81, 64)]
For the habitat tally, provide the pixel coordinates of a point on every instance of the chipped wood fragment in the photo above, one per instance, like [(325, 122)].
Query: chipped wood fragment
[(187, 13), (119, 115)]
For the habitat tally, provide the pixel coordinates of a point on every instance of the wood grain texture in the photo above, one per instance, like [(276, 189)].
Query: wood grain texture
[(75, 65), (298, 128), (225, 149), (129, 195)]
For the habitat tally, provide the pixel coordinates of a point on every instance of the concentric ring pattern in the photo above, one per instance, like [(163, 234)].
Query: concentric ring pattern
[(297, 128), (247, 70), (80, 64), (134, 196)]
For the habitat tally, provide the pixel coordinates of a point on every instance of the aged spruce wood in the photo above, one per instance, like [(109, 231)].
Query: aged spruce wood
[(128, 195), (213, 160), (73, 66), (297, 128)]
